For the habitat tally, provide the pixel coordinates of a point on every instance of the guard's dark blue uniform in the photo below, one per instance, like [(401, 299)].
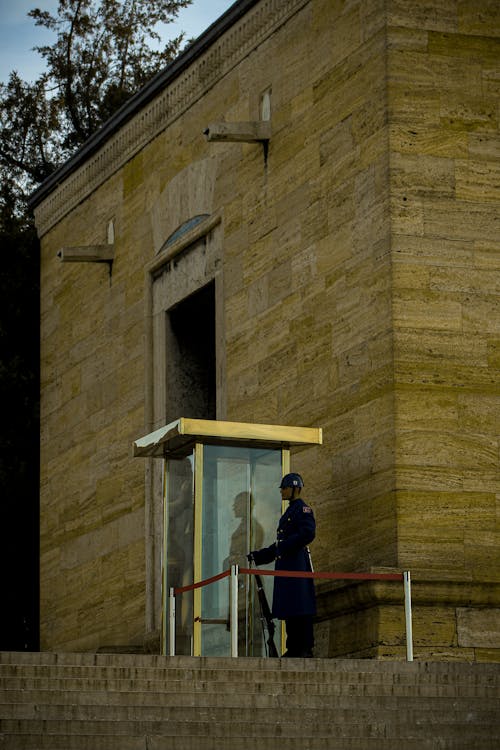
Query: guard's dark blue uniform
[(292, 597)]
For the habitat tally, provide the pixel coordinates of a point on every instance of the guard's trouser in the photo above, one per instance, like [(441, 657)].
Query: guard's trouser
[(299, 635)]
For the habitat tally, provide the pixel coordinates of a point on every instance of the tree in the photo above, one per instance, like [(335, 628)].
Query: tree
[(101, 57)]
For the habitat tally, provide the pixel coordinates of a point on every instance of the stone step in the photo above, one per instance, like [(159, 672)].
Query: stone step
[(137, 702), (38, 689), (190, 742), (292, 694), (340, 708), (474, 682), (293, 671), (361, 725), (203, 665), (67, 691), (186, 671)]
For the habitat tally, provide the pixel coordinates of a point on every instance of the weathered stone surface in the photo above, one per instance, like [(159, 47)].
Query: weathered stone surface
[(357, 289), (479, 628)]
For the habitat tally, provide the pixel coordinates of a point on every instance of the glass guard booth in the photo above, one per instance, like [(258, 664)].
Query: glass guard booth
[(220, 500)]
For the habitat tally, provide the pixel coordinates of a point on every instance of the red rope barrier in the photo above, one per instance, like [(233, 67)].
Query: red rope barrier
[(294, 574), (192, 586), (329, 576)]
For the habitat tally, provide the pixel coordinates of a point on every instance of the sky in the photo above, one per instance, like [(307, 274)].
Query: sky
[(18, 33)]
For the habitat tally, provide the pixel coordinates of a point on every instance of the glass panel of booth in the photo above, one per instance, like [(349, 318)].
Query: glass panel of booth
[(241, 505), (210, 523), (178, 545)]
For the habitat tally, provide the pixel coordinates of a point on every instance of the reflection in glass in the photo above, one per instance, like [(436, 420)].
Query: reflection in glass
[(239, 511), (179, 543), (240, 504)]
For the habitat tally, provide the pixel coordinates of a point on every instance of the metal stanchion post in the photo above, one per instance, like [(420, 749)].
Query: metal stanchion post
[(171, 618), (233, 610), (409, 630)]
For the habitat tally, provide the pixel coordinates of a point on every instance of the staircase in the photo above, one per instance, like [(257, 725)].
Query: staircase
[(129, 702)]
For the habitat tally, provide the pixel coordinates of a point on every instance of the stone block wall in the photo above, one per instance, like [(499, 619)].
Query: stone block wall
[(358, 293), (443, 94), (92, 401), (445, 195), (443, 65), (307, 249)]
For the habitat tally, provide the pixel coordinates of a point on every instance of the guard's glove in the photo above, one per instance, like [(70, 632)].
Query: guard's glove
[(264, 556), (250, 557)]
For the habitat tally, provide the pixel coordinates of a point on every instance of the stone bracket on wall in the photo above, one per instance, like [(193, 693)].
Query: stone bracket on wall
[(258, 131), (91, 253), (87, 254)]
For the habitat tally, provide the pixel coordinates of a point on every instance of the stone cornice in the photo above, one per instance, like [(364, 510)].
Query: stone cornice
[(146, 122)]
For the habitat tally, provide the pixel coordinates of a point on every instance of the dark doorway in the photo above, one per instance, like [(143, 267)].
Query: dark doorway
[(191, 361)]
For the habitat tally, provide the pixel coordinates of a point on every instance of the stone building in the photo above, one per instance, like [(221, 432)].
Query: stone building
[(305, 208)]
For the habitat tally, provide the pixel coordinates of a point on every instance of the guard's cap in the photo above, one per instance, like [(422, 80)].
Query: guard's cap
[(292, 480)]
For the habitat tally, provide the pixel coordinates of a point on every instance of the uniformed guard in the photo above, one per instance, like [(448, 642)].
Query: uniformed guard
[(294, 599)]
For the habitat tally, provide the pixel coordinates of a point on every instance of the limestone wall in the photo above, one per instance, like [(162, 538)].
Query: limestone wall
[(445, 197), (92, 403), (355, 268)]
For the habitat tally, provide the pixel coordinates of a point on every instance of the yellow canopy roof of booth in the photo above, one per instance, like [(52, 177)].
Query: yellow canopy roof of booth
[(183, 431)]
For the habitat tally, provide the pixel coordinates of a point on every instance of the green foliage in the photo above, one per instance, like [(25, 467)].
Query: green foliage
[(101, 56), (29, 136)]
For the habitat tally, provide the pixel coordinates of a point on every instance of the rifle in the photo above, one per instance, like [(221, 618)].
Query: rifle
[(266, 616)]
